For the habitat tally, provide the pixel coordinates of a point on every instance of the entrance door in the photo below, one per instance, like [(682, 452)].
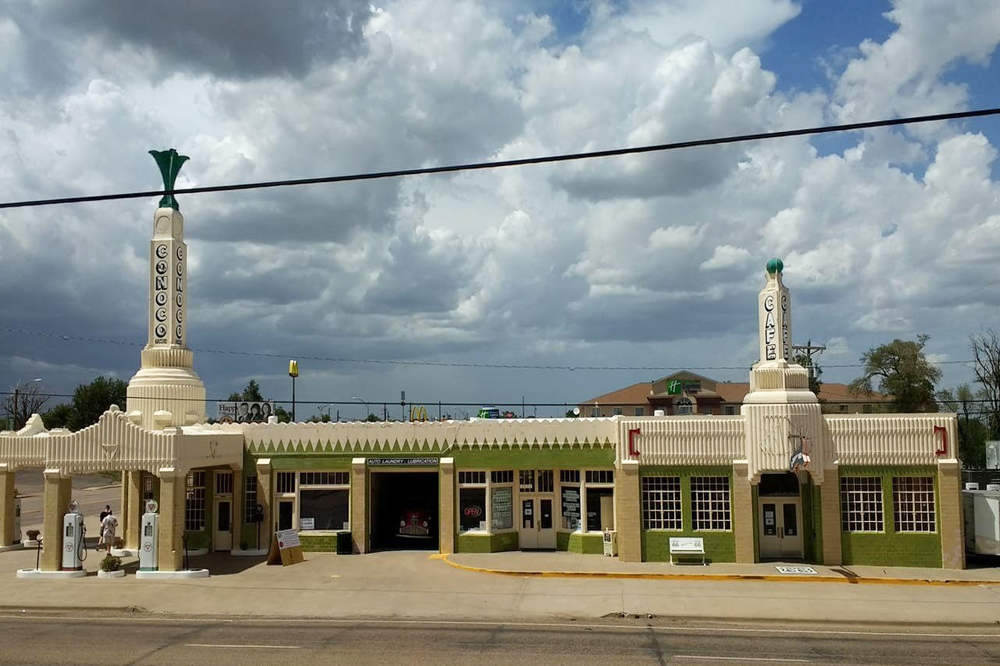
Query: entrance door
[(529, 518), (538, 529), (780, 527), (222, 539), (285, 510)]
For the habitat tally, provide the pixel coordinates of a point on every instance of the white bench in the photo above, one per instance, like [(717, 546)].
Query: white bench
[(685, 546)]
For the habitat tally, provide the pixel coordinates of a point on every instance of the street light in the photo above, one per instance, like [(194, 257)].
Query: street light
[(365, 403), (16, 389), (328, 408)]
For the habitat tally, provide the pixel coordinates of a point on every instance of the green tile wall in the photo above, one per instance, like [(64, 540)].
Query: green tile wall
[(586, 544), (487, 543), (307, 460), (562, 540), (892, 548), (319, 543), (570, 458), (719, 546)]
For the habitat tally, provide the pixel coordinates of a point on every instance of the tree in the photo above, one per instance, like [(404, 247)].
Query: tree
[(25, 399), (93, 399), (571, 414), (986, 356), (815, 372), (250, 394), (59, 416), (903, 372), (972, 431)]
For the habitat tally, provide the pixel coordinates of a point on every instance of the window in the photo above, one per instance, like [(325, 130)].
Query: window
[(324, 508), (194, 514), (600, 509), (472, 477), (913, 503), (223, 483), (866, 409), (571, 507), (661, 503), (595, 412), (285, 483), (472, 509), (502, 476), (527, 480), (147, 487), (683, 406), (502, 508), (710, 503), (861, 504), (324, 501), (640, 411), (730, 410), (546, 481), (569, 476), (250, 501), (600, 476), (324, 479), (616, 411), (843, 409)]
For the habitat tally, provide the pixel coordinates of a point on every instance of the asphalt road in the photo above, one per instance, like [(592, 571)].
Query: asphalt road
[(142, 639)]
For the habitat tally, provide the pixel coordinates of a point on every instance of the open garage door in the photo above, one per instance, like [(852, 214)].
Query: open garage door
[(404, 510)]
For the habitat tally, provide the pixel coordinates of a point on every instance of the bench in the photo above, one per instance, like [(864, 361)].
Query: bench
[(686, 546)]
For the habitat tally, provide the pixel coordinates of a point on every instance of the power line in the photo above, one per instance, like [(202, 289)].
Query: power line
[(444, 364), (476, 166)]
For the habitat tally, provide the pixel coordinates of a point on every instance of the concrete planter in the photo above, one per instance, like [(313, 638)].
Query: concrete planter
[(111, 574)]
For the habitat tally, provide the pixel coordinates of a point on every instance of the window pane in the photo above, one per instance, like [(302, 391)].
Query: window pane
[(600, 509), (472, 508), (326, 509), (503, 508)]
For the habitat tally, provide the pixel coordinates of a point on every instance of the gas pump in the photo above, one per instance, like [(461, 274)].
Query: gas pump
[(17, 520), (74, 548), (149, 535)]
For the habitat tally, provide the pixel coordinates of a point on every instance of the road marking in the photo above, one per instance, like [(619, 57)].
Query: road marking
[(709, 657), (246, 647), (485, 623)]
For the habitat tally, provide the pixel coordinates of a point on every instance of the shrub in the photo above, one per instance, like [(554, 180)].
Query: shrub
[(111, 563)]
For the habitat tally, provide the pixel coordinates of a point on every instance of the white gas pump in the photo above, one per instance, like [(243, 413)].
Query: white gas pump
[(149, 536), (74, 548), (17, 520)]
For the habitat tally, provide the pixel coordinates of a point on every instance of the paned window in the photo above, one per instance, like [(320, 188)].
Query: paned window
[(285, 482), (502, 476), (223, 483), (616, 411), (194, 514), (324, 479), (569, 476), (595, 412), (250, 495), (861, 504), (600, 476), (546, 481), (913, 503), (471, 508), (471, 477), (527, 480), (661, 503), (640, 411), (710, 503)]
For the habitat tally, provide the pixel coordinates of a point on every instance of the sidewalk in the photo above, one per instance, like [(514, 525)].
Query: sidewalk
[(564, 565), (421, 585)]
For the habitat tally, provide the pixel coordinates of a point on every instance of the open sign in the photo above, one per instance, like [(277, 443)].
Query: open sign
[(473, 511)]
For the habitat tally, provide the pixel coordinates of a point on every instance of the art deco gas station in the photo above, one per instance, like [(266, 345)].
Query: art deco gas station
[(781, 480)]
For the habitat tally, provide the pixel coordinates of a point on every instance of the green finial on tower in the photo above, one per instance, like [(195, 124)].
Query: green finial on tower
[(170, 164), (775, 266)]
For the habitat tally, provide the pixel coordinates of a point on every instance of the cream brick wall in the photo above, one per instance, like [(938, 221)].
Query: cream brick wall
[(829, 494), (743, 508), (55, 503), (132, 508), (7, 482), (951, 521), (447, 521), (628, 512), (359, 507), (172, 512)]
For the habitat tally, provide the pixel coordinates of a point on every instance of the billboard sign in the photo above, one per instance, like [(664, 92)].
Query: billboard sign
[(245, 411)]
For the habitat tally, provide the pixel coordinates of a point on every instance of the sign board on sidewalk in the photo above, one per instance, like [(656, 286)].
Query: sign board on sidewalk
[(285, 548), (796, 570)]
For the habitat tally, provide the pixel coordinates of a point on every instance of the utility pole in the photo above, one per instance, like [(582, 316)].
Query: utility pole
[(808, 349)]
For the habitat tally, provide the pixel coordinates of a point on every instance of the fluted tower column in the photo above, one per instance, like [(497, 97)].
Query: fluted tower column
[(166, 391)]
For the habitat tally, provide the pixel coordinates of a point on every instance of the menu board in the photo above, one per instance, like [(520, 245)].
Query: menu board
[(503, 508), (571, 507)]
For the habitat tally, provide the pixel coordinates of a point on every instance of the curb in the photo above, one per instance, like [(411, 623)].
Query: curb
[(770, 578)]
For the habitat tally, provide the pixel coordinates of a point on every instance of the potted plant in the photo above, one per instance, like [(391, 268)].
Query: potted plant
[(111, 567)]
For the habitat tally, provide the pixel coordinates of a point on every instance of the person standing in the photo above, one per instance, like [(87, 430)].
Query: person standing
[(100, 527), (108, 526)]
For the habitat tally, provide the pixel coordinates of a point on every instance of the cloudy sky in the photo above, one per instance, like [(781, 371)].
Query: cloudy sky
[(650, 261)]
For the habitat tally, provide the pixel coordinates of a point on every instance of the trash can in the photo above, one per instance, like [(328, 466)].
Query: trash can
[(344, 544)]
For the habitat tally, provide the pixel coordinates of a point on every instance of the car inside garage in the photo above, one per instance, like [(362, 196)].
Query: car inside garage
[(404, 510)]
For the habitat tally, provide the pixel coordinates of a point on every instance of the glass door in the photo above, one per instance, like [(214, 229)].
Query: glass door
[(780, 523), (222, 538), (528, 534)]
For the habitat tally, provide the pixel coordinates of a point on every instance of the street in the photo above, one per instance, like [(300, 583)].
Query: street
[(68, 638)]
